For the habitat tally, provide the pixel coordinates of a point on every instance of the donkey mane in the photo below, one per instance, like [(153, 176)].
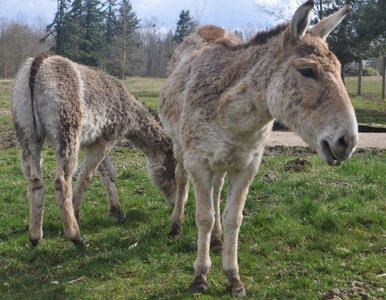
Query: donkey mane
[(262, 37)]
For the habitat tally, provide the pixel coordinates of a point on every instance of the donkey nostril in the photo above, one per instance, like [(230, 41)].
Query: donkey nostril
[(343, 142)]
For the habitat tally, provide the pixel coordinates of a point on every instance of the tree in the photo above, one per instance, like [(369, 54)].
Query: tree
[(185, 26), (127, 42), (18, 41), (57, 28), (92, 44), (110, 21)]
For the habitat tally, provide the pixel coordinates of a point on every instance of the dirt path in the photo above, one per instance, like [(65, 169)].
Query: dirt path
[(366, 140)]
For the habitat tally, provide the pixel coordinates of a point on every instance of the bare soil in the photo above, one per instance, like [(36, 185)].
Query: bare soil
[(366, 139)]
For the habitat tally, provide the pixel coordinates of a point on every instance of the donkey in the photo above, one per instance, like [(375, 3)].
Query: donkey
[(218, 107), (72, 106)]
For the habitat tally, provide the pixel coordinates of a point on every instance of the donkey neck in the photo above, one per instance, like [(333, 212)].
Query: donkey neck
[(147, 134), (244, 105)]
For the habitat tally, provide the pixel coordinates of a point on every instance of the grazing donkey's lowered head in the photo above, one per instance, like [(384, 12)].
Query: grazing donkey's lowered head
[(305, 89), (218, 107)]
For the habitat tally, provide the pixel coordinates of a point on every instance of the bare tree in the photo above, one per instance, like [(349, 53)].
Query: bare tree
[(17, 42), (156, 48), (278, 10)]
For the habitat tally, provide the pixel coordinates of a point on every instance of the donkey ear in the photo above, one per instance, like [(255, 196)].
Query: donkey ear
[(325, 26), (301, 20)]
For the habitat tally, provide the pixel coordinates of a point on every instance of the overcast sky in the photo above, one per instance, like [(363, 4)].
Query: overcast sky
[(230, 14)]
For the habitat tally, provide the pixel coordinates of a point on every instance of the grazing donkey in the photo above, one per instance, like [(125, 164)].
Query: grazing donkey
[(72, 105), (218, 107)]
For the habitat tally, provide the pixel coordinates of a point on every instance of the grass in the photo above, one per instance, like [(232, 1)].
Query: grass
[(146, 90), (5, 108), (369, 107), (304, 233)]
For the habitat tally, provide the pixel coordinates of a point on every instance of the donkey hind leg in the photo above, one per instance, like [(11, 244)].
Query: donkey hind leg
[(65, 166), (215, 239), (108, 176), (178, 215), (233, 214), (95, 153), (203, 185), (31, 169)]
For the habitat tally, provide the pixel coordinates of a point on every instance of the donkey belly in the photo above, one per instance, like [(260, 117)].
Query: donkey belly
[(92, 128)]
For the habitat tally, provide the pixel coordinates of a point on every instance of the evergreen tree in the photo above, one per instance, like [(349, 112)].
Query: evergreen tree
[(127, 41), (74, 23), (57, 29), (93, 44), (185, 26), (110, 21)]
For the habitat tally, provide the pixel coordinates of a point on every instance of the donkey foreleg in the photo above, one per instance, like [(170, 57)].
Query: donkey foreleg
[(203, 186), (108, 177), (178, 214), (215, 240), (239, 183), (95, 153)]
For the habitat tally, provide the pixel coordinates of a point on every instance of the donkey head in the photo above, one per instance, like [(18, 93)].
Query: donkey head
[(306, 91), (161, 169)]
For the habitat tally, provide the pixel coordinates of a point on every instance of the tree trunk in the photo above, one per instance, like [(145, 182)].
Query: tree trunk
[(360, 71), (124, 42), (383, 77)]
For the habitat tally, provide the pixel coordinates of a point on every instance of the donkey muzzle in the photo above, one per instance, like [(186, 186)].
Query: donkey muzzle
[(338, 149)]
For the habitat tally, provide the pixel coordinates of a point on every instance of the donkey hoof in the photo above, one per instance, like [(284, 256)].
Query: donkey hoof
[(199, 285), (175, 231), (78, 243), (33, 244), (236, 288), (216, 246), (117, 214)]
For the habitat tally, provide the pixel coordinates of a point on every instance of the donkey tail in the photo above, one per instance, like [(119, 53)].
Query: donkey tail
[(36, 63), (25, 117)]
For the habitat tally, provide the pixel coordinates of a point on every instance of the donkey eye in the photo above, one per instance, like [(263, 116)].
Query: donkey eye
[(308, 72)]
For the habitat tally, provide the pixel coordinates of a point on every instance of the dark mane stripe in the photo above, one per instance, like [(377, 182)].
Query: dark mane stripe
[(260, 38), (37, 62), (263, 36)]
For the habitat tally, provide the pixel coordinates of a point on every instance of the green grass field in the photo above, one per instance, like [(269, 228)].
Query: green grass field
[(369, 107), (304, 232)]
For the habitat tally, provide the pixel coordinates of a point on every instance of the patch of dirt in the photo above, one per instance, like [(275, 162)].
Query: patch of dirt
[(287, 151), (8, 140), (342, 184), (297, 165), (356, 291), (269, 177)]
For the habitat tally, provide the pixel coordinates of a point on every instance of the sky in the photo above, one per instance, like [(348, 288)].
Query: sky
[(230, 14)]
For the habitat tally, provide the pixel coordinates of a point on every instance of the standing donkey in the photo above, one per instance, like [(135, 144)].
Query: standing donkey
[(72, 105), (218, 107)]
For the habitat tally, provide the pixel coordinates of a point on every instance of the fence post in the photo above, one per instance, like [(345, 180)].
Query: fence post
[(360, 71), (383, 77)]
